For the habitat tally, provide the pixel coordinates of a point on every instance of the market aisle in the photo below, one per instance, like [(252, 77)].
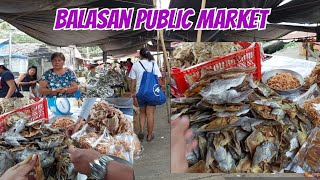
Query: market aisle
[(155, 160)]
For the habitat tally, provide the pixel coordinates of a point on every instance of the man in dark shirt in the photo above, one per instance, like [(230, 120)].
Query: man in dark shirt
[(7, 84)]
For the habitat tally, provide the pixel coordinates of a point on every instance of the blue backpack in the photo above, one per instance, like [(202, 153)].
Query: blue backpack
[(150, 90)]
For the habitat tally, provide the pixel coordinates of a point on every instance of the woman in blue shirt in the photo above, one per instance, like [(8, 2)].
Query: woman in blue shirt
[(58, 81), (8, 87)]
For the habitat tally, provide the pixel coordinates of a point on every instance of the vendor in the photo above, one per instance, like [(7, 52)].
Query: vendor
[(58, 81), (123, 104), (28, 80), (91, 71), (8, 87)]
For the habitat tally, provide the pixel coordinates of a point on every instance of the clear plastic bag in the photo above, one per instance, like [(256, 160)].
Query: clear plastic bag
[(307, 157), (312, 93)]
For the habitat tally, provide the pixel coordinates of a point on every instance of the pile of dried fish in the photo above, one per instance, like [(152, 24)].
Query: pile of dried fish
[(241, 125), (7, 105), (189, 54), (62, 123), (104, 115), (101, 86), (109, 132), (23, 138)]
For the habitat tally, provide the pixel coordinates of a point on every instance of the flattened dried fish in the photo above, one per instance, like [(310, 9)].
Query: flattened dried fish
[(264, 152), (199, 167), (220, 86), (6, 161), (224, 159)]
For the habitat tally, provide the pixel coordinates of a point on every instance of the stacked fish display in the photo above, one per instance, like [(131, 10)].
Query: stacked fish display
[(23, 138), (242, 126), (101, 86), (187, 54), (7, 105)]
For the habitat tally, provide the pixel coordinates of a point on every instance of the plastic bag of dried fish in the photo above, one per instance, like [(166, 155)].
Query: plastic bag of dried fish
[(312, 93), (312, 109), (104, 115), (307, 157), (106, 144)]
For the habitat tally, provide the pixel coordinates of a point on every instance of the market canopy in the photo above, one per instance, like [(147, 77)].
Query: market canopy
[(295, 11), (36, 18)]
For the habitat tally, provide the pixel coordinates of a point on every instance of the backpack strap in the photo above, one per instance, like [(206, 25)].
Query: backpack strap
[(152, 67), (142, 66)]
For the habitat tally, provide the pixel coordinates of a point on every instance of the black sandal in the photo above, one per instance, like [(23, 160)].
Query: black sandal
[(152, 137), (141, 136)]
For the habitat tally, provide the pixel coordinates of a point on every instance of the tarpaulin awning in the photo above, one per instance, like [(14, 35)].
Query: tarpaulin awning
[(295, 11), (36, 18)]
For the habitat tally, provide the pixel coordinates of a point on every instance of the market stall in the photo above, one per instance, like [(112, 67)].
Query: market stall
[(248, 115), (39, 127)]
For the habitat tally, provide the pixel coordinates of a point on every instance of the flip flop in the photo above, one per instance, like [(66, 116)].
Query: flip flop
[(141, 136), (152, 137)]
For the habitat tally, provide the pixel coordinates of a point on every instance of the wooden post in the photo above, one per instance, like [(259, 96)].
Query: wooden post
[(199, 35), (168, 79)]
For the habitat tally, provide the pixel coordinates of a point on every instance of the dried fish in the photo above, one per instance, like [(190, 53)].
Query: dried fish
[(243, 126), (6, 161), (199, 167), (188, 54), (224, 158), (101, 86), (264, 152)]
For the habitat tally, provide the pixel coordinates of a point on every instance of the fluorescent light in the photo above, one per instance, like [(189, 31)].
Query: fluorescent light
[(284, 2)]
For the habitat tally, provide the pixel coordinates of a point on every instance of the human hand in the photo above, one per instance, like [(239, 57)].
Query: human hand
[(71, 129), (180, 134), (81, 159), (21, 171)]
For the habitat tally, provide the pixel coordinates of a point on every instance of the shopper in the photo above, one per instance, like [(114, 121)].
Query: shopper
[(28, 80), (58, 81), (129, 65), (8, 87), (146, 110)]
